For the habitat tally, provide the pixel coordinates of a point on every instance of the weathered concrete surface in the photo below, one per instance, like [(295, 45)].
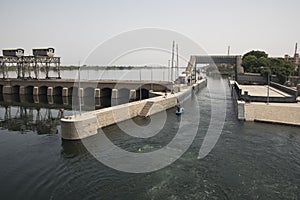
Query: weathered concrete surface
[(7, 89), (262, 90), (85, 125), (65, 92), (50, 91), (241, 110), (259, 93), (97, 93), (283, 113)]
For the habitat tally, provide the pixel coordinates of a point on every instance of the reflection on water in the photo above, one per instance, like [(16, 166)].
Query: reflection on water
[(42, 113), (42, 121), (72, 149), (31, 113)]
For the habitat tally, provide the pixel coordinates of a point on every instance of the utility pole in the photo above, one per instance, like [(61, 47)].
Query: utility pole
[(296, 60), (228, 51), (172, 62), (140, 85), (177, 62), (79, 89), (268, 91), (169, 65)]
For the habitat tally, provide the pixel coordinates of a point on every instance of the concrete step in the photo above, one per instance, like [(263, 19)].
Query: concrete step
[(144, 112)]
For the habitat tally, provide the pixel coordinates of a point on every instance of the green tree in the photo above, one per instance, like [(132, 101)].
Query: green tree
[(282, 68), (265, 71), (249, 63), (258, 62), (263, 62), (256, 53)]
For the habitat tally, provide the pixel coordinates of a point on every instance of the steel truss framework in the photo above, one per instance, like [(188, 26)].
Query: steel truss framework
[(26, 64)]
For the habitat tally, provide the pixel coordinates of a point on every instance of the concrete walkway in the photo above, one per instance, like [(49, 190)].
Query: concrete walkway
[(262, 90)]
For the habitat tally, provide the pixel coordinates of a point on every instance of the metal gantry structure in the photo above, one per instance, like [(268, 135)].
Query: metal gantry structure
[(42, 60)]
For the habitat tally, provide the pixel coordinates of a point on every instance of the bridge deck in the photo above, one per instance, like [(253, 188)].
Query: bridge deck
[(84, 81)]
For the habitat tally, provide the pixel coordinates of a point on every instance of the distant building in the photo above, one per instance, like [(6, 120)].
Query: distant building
[(182, 79), (43, 52), (13, 52), (294, 59)]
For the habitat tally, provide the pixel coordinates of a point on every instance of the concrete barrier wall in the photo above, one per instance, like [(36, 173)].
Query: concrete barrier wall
[(285, 113), (108, 116), (285, 89), (250, 78), (163, 104), (87, 124), (249, 98)]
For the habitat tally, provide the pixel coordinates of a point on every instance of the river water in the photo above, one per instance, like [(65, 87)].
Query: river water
[(249, 161)]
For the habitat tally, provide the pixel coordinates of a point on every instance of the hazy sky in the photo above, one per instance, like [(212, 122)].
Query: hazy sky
[(75, 27)]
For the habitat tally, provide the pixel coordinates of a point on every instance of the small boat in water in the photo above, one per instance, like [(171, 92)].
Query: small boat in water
[(180, 111)]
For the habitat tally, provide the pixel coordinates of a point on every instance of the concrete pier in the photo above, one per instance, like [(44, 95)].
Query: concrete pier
[(35, 90), (282, 113), (50, 91), (81, 92), (22, 90), (85, 125), (97, 93), (7, 89), (282, 110), (114, 94), (65, 92)]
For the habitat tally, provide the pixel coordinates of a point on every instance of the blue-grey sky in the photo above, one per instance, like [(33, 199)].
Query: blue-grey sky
[(75, 27)]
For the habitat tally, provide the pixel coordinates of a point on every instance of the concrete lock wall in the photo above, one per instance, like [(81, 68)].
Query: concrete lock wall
[(87, 124), (120, 113), (241, 110), (283, 113), (276, 112)]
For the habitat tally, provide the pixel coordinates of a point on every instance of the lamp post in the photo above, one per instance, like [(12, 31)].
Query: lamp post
[(169, 64), (151, 79), (79, 89), (268, 91), (140, 85), (268, 83)]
